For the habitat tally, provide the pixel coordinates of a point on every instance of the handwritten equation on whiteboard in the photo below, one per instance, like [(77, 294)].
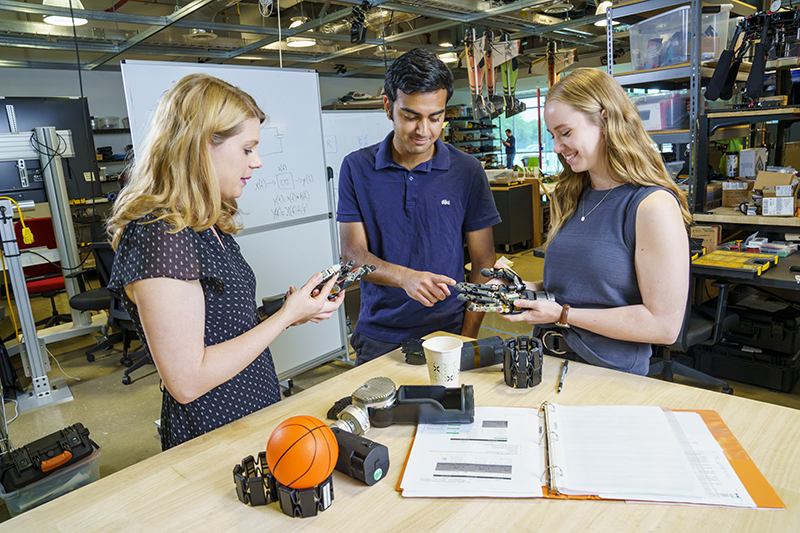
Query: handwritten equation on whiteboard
[(290, 194), (279, 190)]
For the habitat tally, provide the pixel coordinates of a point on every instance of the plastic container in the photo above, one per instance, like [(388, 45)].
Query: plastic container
[(674, 168), (663, 40), (56, 484), (765, 369), (666, 111), (108, 122)]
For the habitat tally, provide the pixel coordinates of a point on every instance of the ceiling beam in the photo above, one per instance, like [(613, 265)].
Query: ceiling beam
[(152, 30)]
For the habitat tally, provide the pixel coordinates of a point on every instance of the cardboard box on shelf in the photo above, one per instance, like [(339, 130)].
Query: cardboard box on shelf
[(710, 235), (752, 161), (777, 206), (791, 155), (735, 192), (772, 184)]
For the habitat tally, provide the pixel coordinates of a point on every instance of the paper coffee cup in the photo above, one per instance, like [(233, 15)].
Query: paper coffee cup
[(443, 355)]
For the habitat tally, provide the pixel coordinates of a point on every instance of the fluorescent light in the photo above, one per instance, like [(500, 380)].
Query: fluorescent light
[(57, 20), (602, 9), (448, 57), (299, 42)]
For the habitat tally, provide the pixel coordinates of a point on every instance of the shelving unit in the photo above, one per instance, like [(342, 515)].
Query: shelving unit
[(715, 120), (677, 76), (454, 129)]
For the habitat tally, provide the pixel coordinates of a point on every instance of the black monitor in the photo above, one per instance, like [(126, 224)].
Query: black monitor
[(63, 113)]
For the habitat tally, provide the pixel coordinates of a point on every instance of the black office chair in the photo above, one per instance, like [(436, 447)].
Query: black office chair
[(702, 324), (118, 318)]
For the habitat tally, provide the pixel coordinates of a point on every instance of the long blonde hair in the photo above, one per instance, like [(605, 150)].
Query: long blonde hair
[(630, 156), (172, 176)]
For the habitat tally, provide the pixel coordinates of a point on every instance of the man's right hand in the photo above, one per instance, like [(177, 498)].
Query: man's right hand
[(426, 287)]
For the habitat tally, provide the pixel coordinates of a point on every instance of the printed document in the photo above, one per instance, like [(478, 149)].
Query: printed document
[(497, 456)]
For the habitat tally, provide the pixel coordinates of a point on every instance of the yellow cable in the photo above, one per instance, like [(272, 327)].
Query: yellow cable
[(27, 238), (8, 298), (27, 235)]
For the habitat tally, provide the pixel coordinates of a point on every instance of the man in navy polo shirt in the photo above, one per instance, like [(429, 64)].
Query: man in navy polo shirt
[(407, 205)]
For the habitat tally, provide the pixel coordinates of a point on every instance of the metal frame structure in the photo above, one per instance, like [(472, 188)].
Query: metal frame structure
[(34, 354)]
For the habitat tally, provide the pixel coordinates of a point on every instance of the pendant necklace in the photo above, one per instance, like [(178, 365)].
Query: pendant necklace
[(583, 203)]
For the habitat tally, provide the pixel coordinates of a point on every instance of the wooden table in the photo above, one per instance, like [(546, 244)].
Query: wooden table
[(190, 488)]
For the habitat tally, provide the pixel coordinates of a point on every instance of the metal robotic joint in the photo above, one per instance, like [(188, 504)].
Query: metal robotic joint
[(498, 298)]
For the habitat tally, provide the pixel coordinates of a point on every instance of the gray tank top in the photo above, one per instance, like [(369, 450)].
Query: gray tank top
[(590, 264)]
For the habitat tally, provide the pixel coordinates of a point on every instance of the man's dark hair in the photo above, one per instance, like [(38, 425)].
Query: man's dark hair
[(508, 131), (417, 70)]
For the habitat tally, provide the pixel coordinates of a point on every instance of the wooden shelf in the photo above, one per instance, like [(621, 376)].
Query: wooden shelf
[(111, 131)]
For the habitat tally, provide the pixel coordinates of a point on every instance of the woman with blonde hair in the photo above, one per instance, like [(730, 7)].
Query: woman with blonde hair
[(181, 274), (617, 256)]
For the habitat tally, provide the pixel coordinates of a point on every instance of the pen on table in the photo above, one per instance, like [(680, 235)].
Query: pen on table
[(563, 375)]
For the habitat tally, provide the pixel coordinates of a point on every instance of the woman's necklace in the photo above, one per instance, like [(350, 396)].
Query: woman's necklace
[(583, 202)]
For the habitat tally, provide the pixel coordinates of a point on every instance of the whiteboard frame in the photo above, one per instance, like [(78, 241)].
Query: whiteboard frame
[(138, 130)]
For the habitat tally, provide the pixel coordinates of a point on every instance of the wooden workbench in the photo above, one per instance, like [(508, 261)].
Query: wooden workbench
[(190, 488)]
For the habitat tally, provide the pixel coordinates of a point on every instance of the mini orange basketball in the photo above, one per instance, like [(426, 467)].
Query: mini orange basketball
[(302, 452)]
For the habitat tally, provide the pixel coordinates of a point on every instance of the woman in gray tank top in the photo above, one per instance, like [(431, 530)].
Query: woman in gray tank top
[(617, 256)]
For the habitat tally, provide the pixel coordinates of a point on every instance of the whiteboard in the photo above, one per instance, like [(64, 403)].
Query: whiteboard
[(348, 131), (292, 183), (287, 206)]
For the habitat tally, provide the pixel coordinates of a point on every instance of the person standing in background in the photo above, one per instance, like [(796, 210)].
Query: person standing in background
[(511, 149)]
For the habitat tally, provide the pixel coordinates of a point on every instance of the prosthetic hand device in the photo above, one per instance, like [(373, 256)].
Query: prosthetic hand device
[(499, 298), (347, 275)]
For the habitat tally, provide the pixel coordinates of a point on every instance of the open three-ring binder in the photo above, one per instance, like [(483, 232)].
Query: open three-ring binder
[(631, 453)]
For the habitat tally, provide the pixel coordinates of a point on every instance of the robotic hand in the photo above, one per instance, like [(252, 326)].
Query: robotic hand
[(498, 298), (347, 275)]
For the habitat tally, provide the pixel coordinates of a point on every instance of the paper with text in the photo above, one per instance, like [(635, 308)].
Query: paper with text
[(498, 455)]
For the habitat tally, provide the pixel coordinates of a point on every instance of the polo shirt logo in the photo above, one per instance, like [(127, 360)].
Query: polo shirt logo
[(445, 202)]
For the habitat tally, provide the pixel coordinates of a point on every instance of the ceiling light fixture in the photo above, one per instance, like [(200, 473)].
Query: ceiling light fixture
[(559, 7), (602, 9), (299, 42), (57, 20), (448, 57)]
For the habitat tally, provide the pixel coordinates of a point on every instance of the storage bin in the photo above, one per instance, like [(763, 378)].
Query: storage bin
[(770, 370), (665, 111), (56, 484), (769, 330), (663, 40)]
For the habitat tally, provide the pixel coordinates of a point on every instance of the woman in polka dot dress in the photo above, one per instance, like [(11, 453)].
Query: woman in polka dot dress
[(180, 272)]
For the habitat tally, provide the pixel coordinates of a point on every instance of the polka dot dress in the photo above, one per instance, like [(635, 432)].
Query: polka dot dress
[(229, 285)]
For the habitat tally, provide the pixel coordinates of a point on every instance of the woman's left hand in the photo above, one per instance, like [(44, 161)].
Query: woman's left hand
[(536, 312)]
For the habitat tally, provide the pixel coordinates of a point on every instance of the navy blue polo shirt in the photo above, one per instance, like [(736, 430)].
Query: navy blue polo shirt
[(417, 219)]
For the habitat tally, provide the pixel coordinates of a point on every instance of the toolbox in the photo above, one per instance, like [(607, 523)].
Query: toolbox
[(770, 329), (772, 370), (41, 458)]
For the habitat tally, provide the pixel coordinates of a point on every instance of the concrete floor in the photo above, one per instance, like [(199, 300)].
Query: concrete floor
[(121, 417)]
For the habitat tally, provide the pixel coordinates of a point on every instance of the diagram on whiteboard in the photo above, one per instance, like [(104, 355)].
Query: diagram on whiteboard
[(271, 142), (290, 195)]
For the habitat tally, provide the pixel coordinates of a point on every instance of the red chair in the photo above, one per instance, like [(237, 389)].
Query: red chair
[(45, 280)]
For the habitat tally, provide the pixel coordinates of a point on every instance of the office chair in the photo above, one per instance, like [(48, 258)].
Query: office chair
[(702, 324), (118, 317), (46, 280), (97, 299)]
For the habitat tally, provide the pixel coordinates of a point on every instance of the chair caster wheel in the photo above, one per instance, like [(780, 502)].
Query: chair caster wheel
[(727, 390), (90, 358), (126, 362), (126, 380)]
